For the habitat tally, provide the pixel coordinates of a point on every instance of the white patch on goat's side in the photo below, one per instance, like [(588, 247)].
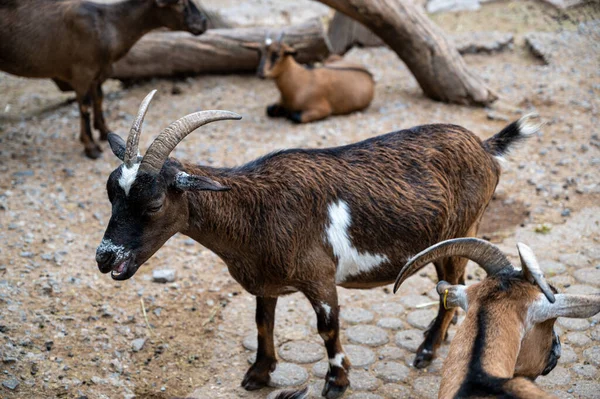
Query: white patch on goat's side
[(107, 246), (128, 176), (337, 360), (350, 261), (527, 126)]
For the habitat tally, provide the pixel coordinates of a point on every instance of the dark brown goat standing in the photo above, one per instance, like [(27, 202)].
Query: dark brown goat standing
[(76, 42), (307, 220), (311, 94), (507, 338)]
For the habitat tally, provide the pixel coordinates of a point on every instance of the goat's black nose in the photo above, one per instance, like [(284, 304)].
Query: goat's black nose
[(105, 258)]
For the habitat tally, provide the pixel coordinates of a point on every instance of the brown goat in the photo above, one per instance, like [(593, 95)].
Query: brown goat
[(507, 338), (307, 220), (311, 94), (76, 42)]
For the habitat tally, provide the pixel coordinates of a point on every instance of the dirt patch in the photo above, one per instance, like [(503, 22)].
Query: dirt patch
[(502, 215)]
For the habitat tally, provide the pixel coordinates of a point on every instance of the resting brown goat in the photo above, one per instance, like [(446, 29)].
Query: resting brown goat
[(307, 220), (76, 42), (507, 338), (310, 94)]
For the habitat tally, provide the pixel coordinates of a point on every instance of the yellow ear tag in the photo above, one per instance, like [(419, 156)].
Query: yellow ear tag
[(445, 298)]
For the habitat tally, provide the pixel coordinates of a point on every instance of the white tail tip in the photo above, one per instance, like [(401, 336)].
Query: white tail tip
[(530, 124)]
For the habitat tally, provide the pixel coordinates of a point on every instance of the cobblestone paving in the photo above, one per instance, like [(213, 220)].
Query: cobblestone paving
[(381, 331)]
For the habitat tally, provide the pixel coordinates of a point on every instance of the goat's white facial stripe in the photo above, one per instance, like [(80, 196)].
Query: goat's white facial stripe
[(337, 360), (107, 246), (350, 261), (128, 176)]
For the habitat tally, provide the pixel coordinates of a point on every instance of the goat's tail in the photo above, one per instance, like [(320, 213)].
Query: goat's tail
[(299, 394), (500, 144)]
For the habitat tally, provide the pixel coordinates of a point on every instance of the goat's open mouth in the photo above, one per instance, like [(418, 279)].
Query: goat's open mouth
[(124, 270)]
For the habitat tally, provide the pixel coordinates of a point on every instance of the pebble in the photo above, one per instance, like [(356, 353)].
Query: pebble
[(138, 344), (359, 355), (320, 369), (578, 339), (550, 267), (391, 371), (558, 376), (427, 387), (421, 318), (11, 384), (587, 389), (390, 323), (364, 395), (574, 324), (367, 335), (356, 315), (391, 353), (592, 355), (568, 355), (585, 370), (575, 259), (588, 275), (409, 339), (250, 342), (163, 276), (288, 375), (388, 308), (394, 391), (361, 380), (301, 352)]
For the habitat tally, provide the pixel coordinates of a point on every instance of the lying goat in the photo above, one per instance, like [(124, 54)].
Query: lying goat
[(76, 42), (307, 220), (310, 94), (507, 338)]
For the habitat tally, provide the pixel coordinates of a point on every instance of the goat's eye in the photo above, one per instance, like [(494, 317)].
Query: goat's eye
[(154, 208)]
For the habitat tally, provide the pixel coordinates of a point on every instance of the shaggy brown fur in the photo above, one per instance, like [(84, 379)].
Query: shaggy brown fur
[(310, 94), (398, 193), (76, 42)]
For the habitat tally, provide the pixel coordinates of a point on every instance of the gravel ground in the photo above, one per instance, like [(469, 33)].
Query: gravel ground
[(68, 331)]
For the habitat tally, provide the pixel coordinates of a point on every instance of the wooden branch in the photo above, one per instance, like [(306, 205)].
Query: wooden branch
[(436, 64), (162, 54)]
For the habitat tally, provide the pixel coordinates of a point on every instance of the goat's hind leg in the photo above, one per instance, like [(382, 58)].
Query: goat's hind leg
[(317, 112), (258, 375), (99, 122), (451, 270), (326, 307), (92, 150)]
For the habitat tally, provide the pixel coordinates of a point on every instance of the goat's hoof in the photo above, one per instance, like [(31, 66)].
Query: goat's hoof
[(423, 358), (93, 152), (331, 390), (275, 111), (295, 116), (257, 377)]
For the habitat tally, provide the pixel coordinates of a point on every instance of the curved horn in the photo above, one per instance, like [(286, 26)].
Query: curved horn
[(532, 271), (131, 151), (487, 255), (166, 141), (566, 305)]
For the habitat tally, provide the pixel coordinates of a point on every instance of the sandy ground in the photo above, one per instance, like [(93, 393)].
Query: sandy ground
[(67, 331)]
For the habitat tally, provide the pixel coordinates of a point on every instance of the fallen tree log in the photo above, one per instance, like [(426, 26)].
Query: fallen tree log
[(434, 61), (162, 54)]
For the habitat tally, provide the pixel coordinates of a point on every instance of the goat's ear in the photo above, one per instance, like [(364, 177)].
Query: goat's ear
[(164, 3), (574, 306), (453, 295), (117, 145), (186, 182)]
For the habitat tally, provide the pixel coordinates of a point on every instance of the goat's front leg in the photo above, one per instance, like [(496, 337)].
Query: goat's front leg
[(450, 269), (92, 150), (258, 375), (276, 111), (326, 307), (99, 122), (317, 112)]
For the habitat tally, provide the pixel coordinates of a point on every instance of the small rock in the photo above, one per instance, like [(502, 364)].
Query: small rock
[(390, 323), (391, 371), (361, 380), (288, 375), (163, 276), (585, 370), (394, 391), (367, 335), (250, 342), (434, 6), (589, 275), (578, 339), (356, 315), (138, 344), (320, 369), (427, 387), (587, 389), (409, 339), (301, 352), (574, 324), (11, 384), (558, 376), (592, 355), (359, 355), (421, 318)]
